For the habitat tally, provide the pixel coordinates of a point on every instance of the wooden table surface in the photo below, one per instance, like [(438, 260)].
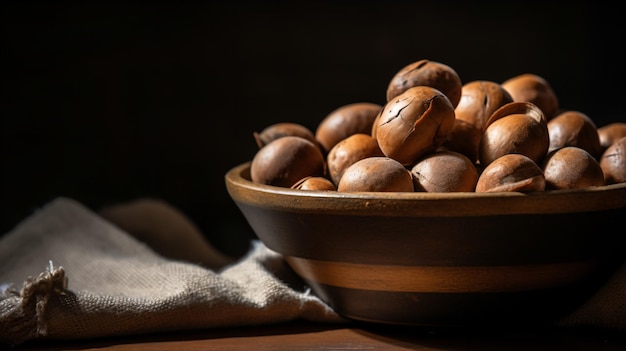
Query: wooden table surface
[(310, 336)]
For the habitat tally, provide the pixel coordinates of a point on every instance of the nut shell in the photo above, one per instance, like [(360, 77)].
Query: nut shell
[(511, 172), (414, 124), (279, 130), (574, 128), (479, 100), (429, 73), (528, 87), (349, 150), (571, 167), (444, 171), (515, 128), (286, 160), (610, 133), (464, 139), (314, 184), (382, 174), (613, 162), (346, 120)]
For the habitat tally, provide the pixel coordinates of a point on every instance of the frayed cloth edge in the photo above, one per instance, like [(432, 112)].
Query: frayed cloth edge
[(26, 309)]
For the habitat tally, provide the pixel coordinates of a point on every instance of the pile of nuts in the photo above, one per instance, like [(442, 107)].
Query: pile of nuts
[(436, 134)]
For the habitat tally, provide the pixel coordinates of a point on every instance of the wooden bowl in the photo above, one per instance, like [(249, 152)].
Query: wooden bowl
[(442, 259)]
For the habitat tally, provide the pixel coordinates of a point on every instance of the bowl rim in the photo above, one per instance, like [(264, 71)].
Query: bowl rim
[(598, 198)]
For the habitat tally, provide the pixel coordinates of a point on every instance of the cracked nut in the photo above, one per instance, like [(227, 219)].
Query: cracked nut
[(511, 172), (414, 123), (479, 100), (516, 127), (428, 73), (280, 130)]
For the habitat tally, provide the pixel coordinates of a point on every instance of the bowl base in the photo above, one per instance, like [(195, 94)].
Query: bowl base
[(418, 309)]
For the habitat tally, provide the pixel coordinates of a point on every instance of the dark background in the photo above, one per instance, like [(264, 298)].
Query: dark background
[(105, 102)]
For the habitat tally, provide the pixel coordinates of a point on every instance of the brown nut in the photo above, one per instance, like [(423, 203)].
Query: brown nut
[(314, 184), (479, 100), (429, 73), (280, 130), (464, 139), (511, 172), (574, 128), (529, 87), (287, 160), (346, 120), (349, 150), (610, 133), (381, 174), (613, 162), (414, 124), (571, 167), (444, 171), (515, 128)]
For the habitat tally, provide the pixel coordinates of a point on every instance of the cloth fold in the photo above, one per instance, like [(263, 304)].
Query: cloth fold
[(92, 279), (67, 272)]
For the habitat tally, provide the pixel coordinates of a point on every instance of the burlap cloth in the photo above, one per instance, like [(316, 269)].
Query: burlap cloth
[(67, 272)]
